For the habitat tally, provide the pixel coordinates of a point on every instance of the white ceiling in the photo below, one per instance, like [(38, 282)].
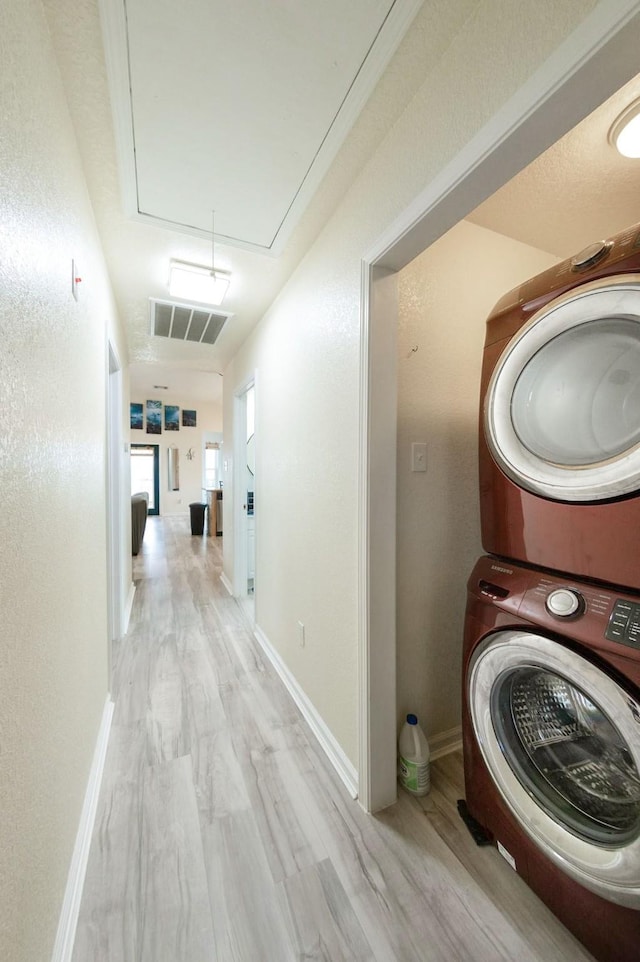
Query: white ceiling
[(189, 385), (222, 99), (298, 43), (579, 191), (239, 107)]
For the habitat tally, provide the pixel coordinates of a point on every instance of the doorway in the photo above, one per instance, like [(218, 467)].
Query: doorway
[(115, 517), (596, 61), (145, 473), (212, 481), (245, 497)]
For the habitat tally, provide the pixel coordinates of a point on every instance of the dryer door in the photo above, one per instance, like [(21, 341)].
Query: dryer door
[(561, 740), (562, 411)]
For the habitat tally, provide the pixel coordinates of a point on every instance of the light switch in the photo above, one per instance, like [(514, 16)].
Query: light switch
[(418, 456)]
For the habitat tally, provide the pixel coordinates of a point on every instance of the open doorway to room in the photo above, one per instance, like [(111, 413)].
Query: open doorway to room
[(115, 522), (578, 81), (245, 497), (212, 481), (145, 473)]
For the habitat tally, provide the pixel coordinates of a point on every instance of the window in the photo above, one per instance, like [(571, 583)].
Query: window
[(212, 465)]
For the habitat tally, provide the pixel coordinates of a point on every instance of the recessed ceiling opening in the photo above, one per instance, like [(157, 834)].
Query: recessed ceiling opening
[(282, 85), (184, 322)]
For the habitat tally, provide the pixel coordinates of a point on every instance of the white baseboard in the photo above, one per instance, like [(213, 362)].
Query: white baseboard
[(128, 608), (225, 581), (445, 742), (65, 937), (316, 723)]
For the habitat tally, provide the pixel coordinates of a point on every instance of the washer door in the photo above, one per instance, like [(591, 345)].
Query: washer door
[(562, 411), (561, 740)]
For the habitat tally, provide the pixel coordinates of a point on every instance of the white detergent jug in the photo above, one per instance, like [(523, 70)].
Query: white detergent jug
[(413, 758)]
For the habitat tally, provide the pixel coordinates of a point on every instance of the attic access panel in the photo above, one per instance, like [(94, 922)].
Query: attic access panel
[(240, 108)]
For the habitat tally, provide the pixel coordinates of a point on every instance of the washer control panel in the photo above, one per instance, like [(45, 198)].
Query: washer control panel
[(565, 603), (599, 617), (624, 623)]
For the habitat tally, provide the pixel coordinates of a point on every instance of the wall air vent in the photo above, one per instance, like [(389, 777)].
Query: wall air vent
[(184, 322)]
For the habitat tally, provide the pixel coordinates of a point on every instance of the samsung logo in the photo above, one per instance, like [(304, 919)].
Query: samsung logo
[(505, 571)]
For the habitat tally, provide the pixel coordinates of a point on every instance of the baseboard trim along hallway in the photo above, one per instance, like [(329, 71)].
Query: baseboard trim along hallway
[(65, 936), (314, 720)]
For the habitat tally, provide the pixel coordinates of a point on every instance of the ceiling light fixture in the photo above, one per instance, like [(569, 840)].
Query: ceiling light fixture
[(625, 131), (194, 282)]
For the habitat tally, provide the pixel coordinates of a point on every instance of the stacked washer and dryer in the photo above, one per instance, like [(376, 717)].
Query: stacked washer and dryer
[(551, 670)]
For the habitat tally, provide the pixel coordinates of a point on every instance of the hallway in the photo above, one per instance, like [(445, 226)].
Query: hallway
[(222, 832)]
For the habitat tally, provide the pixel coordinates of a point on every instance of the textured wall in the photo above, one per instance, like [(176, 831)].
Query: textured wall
[(445, 296), (53, 632), (474, 56)]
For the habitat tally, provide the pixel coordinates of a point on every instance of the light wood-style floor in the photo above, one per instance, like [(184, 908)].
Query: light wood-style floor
[(223, 834)]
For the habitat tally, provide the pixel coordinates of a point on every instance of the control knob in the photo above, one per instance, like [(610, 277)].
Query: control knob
[(564, 603), (590, 256)]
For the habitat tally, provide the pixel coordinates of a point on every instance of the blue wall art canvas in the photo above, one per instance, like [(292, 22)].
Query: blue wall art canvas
[(189, 419), (137, 417), (171, 417), (154, 417)]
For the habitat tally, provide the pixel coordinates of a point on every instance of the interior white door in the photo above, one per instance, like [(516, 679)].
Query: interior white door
[(250, 476), (245, 497)]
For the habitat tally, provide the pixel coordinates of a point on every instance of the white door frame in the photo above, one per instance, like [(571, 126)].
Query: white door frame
[(595, 61), (114, 501), (240, 562)]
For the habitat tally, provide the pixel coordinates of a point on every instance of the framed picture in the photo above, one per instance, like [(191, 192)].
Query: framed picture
[(171, 417), (189, 419), (136, 417), (154, 417)]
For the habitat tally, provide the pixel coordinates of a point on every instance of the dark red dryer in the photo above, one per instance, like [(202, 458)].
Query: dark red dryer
[(560, 417)]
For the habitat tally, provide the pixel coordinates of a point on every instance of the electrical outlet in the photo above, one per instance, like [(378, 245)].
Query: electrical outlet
[(301, 634)]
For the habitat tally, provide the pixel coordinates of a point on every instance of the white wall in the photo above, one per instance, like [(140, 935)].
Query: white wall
[(53, 631), (307, 348), (445, 296), (209, 418)]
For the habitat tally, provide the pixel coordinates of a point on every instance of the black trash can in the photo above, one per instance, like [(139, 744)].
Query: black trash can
[(197, 510)]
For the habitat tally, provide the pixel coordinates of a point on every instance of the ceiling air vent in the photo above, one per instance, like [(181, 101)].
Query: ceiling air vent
[(184, 322)]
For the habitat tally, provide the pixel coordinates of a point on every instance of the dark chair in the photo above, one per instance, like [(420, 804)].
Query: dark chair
[(139, 509)]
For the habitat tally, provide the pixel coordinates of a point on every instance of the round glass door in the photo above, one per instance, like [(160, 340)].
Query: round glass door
[(568, 754), (577, 401), (562, 414), (561, 741)]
